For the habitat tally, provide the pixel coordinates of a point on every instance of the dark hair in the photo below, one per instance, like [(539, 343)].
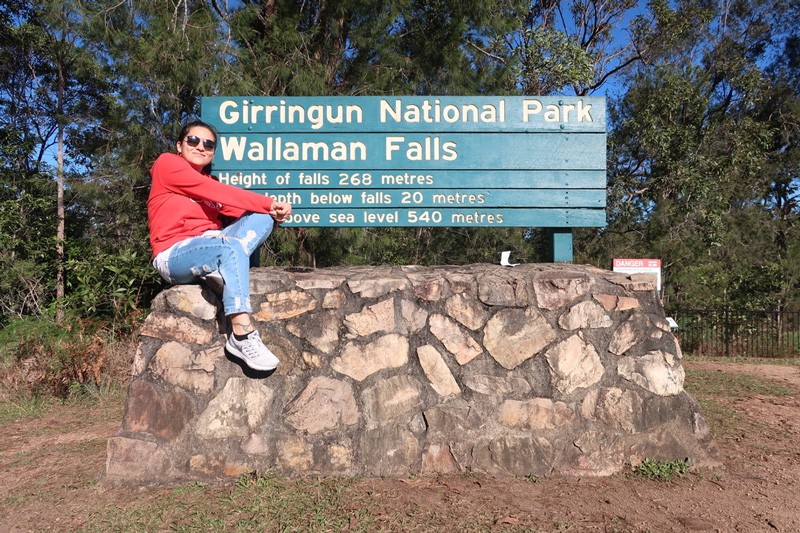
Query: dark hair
[(195, 124)]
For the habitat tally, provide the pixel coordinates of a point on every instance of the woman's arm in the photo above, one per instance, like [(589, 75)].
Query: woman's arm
[(176, 175)]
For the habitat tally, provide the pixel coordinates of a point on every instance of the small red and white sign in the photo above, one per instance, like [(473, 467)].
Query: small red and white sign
[(640, 266)]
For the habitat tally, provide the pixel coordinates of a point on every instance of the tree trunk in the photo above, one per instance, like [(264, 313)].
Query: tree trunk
[(60, 281)]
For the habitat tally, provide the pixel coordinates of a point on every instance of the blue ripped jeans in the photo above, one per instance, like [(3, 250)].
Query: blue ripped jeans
[(227, 251)]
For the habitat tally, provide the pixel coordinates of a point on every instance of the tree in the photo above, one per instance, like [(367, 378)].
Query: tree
[(53, 95), (688, 152), (781, 109), (26, 231)]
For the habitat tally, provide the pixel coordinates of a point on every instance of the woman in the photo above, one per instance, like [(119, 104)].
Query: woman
[(189, 241)]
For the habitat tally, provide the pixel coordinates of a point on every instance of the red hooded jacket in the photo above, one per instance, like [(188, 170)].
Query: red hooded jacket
[(185, 203)]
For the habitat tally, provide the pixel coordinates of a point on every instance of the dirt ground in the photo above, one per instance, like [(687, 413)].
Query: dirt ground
[(51, 468)]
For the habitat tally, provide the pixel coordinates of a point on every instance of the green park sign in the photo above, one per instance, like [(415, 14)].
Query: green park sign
[(489, 161)]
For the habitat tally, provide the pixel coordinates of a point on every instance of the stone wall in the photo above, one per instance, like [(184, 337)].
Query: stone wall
[(394, 371)]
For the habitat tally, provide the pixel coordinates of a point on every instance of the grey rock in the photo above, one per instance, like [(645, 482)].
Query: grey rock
[(497, 386), (375, 318), (285, 305), (180, 365), (390, 400), (436, 370), (321, 330), (467, 311), (574, 364), (190, 300), (168, 327), (389, 451), (556, 289), (653, 373), (585, 315), (536, 413), (238, 410), (502, 289)]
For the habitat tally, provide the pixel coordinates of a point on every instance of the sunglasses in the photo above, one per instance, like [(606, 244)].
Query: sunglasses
[(194, 140)]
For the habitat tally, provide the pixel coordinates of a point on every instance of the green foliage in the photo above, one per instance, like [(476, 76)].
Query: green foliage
[(111, 285), (661, 470), (692, 178), (26, 252), (20, 333), (550, 60), (322, 247)]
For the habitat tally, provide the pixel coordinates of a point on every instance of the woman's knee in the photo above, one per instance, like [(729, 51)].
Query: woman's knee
[(263, 220), (231, 250), (257, 228)]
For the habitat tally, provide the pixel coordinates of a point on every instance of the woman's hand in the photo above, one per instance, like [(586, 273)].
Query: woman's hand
[(280, 211)]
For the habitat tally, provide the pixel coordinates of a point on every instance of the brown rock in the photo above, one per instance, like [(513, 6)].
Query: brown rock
[(238, 409), (379, 317), (459, 343), (438, 459), (512, 336), (321, 330), (147, 412), (536, 413), (502, 289), (325, 404), (359, 362), (285, 305), (585, 315), (556, 289), (132, 461), (171, 328), (467, 311), (390, 400), (436, 370), (574, 364)]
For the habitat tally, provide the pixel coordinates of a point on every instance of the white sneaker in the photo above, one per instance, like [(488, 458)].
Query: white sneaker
[(252, 352)]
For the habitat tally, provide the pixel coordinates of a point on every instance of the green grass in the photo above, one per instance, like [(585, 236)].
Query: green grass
[(661, 470), (266, 502), (732, 384), (255, 503), (786, 361), (21, 408)]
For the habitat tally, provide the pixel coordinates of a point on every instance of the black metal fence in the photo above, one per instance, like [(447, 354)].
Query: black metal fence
[(734, 333)]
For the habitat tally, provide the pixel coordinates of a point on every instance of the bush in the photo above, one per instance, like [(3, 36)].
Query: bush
[(111, 286), (40, 357)]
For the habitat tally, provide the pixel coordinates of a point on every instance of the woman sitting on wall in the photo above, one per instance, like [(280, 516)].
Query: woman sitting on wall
[(189, 242)]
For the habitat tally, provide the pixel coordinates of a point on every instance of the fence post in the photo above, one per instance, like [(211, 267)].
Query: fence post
[(726, 331)]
